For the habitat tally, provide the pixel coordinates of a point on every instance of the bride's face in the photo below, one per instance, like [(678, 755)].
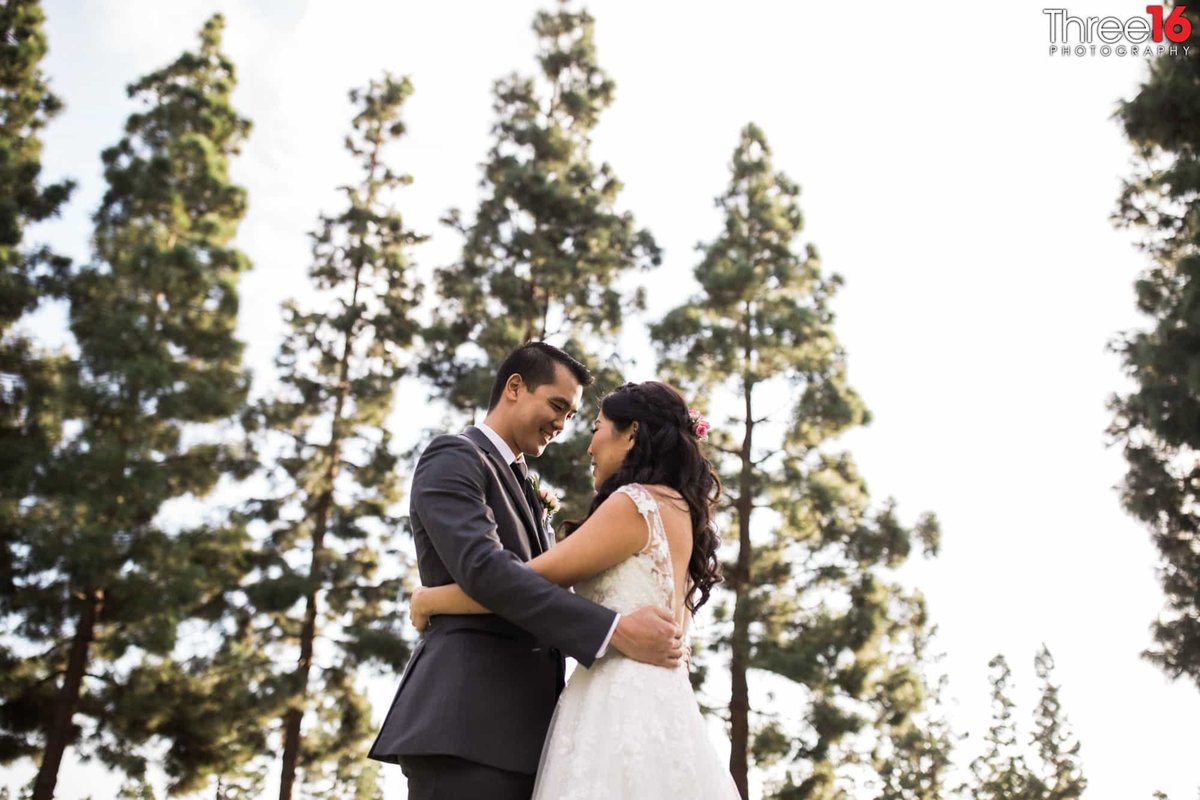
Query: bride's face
[(608, 448)]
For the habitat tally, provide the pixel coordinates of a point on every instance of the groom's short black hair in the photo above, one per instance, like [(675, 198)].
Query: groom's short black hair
[(535, 362)]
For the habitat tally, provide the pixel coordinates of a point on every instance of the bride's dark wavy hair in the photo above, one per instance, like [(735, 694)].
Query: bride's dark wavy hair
[(666, 452)]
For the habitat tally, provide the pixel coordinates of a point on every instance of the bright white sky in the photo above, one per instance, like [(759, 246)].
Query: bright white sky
[(959, 177)]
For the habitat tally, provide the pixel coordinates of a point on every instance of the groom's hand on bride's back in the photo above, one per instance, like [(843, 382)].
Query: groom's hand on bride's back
[(650, 635)]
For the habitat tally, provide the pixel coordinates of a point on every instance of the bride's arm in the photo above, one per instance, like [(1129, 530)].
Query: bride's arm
[(448, 599), (613, 533)]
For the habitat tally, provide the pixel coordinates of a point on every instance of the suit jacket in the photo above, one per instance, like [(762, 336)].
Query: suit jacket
[(483, 687)]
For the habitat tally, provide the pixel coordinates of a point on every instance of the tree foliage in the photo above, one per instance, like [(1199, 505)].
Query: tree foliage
[(26, 106), (1158, 421), (328, 575), (99, 581), (546, 252), (812, 601)]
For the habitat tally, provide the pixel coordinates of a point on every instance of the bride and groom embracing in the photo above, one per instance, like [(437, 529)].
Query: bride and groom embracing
[(478, 713)]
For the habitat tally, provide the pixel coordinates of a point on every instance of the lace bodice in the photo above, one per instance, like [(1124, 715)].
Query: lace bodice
[(645, 578)]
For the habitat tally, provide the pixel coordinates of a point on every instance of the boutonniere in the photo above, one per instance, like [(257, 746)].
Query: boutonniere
[(547, 497)]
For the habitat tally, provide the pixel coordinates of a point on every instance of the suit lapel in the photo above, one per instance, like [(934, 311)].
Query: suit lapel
[(539, 516), (543, 532), (515, 492)]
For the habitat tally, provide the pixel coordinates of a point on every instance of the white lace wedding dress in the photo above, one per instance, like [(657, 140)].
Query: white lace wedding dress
[(623, 729)]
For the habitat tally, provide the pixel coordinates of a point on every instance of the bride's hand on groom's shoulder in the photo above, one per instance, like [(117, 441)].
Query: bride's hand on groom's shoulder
[(416, 610)]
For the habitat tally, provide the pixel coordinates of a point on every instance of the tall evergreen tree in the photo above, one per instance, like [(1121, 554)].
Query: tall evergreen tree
[(326, 598), (544, 256), (810, 595), (26, 106), (912, 757), (100, 580), (1062, 774), (30, 379), (1001, 772), (1158, 422)]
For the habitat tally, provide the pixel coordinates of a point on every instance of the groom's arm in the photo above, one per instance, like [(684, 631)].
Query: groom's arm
[(450, 496)]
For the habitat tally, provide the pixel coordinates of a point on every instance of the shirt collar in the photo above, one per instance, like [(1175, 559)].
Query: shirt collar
[(501, 446)]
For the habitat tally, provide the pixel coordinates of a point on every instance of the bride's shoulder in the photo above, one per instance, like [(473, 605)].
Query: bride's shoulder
[(621, 518), (641, 496), (626, 499), (662, 493)]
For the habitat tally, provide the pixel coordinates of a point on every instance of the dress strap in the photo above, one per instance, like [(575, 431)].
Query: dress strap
[(657, 548), (641, 497)]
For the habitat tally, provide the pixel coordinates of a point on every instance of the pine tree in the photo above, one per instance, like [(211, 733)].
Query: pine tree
[(912, 757), (1062, 774), (810, 599), (26, 106), (101, 581), (1158, 422), (1000, 772), (30, 378), (545, 254), (326, 601)]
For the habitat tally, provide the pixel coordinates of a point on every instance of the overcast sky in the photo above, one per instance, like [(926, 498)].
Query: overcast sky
[(959, 177)]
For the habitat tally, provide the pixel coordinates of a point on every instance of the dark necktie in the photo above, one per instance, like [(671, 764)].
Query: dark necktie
[(521, 470)]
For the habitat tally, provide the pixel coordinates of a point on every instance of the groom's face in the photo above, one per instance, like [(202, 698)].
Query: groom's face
[(540, 414)]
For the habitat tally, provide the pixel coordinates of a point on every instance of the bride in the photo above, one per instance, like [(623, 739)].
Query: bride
[(624, 729)]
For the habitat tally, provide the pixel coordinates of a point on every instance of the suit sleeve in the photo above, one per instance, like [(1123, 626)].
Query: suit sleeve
[(450, 495)]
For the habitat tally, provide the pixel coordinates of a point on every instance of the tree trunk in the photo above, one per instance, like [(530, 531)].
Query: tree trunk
[(295, 714), (59, 734), (308, 631), (739, 700)]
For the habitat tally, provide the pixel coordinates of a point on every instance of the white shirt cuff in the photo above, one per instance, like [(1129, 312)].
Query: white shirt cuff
[(607, 639)]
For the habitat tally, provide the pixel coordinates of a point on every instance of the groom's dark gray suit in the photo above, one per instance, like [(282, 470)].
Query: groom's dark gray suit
[(483, 687)]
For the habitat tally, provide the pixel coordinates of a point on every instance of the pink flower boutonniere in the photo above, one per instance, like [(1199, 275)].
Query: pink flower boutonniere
[(549, 501), (546, 495)]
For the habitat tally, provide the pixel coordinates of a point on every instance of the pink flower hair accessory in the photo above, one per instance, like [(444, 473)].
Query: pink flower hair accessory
[(700, 425)]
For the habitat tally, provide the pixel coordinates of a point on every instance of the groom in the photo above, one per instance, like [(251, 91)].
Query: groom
[(476, 699)]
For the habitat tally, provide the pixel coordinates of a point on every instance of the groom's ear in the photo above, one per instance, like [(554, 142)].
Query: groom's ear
[(512, 387)]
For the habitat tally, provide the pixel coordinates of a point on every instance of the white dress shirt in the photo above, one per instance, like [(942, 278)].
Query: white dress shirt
[(509, 457)]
